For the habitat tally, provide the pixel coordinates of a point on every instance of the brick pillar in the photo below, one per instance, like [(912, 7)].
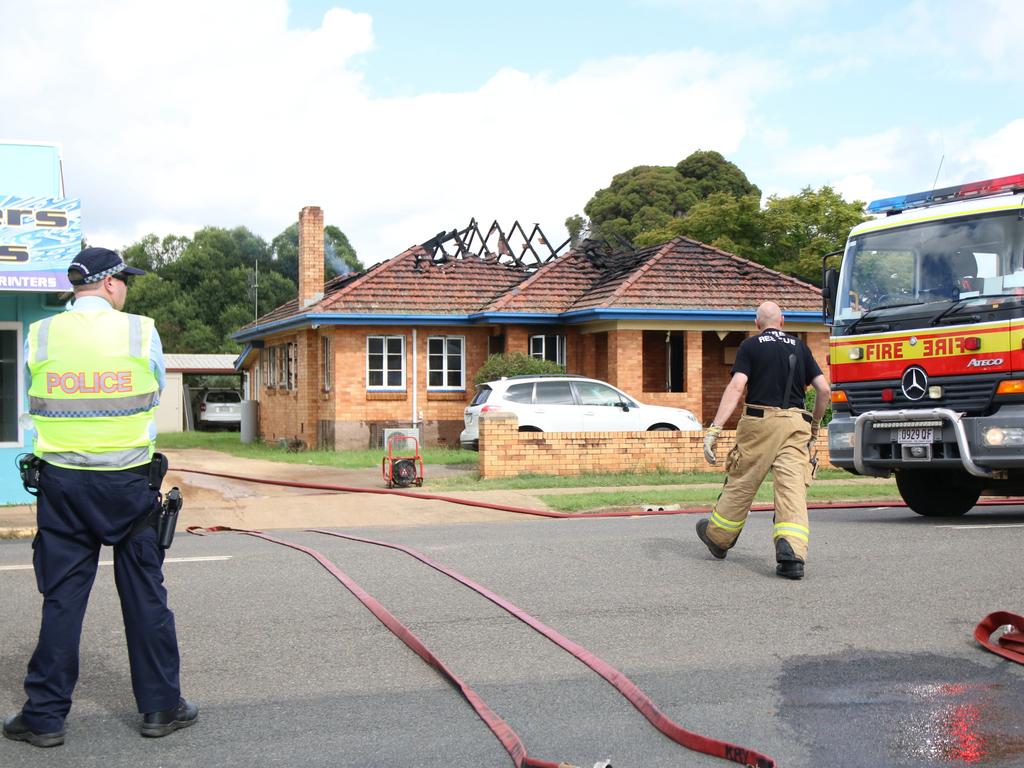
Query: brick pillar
[(499, 437), (626, 361), (311, 256)]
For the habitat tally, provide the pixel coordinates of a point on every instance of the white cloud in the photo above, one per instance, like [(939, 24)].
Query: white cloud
[(186, 113), (904, 160)]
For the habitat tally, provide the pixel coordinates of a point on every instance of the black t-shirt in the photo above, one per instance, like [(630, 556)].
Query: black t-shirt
[(765, 360)]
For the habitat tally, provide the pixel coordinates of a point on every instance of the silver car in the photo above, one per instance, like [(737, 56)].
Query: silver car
[(220, 408), (564, 403)]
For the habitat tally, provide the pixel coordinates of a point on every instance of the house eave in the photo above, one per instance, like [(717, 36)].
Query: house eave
[(576, 317), (580, 316)]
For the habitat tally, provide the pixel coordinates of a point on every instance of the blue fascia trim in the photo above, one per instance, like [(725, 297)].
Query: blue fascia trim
[(299, 321), (533, 318), (521, 318), (241, 358), (746, 315)]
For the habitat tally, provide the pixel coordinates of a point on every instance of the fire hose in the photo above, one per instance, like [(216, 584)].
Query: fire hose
[(1010, 645), (535, 512), (509, 739)]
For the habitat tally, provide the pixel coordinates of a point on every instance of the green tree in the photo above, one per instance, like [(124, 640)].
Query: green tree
[(339, 256), (152, 253), (576, 226), (650, 197), (200, 290), (800, 229), (709, 172), (722, 220), (659, 192)]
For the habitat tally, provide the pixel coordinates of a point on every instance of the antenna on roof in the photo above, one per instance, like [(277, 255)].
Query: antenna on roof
[(935, 183)]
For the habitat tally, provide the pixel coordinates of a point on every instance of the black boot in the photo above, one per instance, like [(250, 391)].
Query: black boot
[(789, 565), (16, 730), (157, 724), (702, 534)]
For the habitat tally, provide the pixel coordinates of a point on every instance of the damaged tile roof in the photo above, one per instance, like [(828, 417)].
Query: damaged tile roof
[(681, 274)]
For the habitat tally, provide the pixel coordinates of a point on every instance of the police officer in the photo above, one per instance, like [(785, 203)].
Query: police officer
[(96, 373), (774, 433)]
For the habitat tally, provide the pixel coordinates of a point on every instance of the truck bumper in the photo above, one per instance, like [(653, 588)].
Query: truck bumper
[(984, 446)]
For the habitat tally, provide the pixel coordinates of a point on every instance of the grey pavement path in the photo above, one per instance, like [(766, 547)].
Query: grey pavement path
[(867, 663)]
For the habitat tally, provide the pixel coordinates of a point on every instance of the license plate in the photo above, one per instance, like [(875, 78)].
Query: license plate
[(915, 435)]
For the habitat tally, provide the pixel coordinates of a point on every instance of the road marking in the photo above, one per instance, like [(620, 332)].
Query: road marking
[(991, 525), (111, 562)]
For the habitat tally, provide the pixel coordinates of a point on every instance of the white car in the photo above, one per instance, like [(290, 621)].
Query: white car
[(565, 403), (220, 408)]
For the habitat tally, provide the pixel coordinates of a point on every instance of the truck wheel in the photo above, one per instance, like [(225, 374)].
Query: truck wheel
[(937, 493)]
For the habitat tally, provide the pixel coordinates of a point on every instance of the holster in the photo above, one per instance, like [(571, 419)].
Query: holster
[(29, 466), (158, 466), (164, 517)]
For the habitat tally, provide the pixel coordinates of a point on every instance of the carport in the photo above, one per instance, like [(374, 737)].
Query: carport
[(175, 412)]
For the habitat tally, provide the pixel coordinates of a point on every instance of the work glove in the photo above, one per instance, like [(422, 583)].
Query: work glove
[(815, 429), (710, 438)]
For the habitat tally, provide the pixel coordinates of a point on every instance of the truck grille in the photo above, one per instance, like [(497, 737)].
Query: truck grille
[(971, 394)]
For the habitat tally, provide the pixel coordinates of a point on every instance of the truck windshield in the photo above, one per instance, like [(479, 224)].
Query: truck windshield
[(933, 262)]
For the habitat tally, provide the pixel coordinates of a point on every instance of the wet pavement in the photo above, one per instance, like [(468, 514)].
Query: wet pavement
[(917, 709)]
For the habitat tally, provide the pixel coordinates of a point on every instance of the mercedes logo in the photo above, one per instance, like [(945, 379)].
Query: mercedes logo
[(915, 382)]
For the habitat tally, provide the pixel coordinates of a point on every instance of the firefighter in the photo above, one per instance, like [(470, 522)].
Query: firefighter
[(774, 433), (95, 376)]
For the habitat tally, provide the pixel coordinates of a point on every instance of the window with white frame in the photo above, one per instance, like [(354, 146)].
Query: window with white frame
[(446, 362), (270, 377), (385, 362), (325, 353), (291, 365), (548, 347)]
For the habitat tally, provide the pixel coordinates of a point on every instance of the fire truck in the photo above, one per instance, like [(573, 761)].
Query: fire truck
[(926, 351)]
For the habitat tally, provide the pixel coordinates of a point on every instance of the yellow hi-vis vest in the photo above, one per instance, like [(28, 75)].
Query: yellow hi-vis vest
[(93, 394)]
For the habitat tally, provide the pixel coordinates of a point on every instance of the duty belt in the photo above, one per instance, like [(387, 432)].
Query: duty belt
[(758, 413)]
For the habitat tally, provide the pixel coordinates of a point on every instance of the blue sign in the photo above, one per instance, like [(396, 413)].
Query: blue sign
[(39, 236)]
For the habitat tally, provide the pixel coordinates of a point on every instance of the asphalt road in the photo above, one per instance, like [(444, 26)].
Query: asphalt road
[(867, 662)]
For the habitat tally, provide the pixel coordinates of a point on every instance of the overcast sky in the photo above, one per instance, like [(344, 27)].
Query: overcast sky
[(401, 119)]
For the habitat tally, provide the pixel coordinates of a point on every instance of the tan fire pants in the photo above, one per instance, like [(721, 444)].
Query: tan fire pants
[(777, 442)]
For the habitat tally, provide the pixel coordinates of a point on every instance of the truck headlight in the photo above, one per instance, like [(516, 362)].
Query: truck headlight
[(840, 441), (1003, 436)]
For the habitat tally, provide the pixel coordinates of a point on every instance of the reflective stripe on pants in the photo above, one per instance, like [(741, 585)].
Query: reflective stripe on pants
[(777, 442)]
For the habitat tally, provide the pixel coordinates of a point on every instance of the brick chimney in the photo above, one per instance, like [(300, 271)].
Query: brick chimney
[(311, 255)]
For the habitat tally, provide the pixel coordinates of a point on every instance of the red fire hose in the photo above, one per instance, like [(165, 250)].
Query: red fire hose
[(540, 512), (502, 731), (1009, 645)]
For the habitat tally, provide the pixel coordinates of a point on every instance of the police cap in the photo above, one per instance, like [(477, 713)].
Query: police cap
[(93, 264)]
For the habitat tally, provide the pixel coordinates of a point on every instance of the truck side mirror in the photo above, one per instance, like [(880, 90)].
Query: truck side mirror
[(829, 290)]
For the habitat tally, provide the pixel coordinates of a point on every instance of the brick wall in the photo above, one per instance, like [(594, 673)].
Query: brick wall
[(818, 344), (506, 452), (344, 416), (311, 255)]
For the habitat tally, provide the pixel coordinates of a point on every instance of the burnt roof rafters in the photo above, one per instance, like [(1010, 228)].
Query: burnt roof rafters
[(515, 247)]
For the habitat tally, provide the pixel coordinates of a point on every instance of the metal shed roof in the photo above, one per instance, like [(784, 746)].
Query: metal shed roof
[(210, 364)]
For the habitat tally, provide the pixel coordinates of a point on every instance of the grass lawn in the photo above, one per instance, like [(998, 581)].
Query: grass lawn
[(230, 442), (831, 484), (582, 502)]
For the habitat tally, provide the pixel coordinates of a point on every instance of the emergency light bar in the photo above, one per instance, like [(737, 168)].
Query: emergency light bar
[(947, 194)]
